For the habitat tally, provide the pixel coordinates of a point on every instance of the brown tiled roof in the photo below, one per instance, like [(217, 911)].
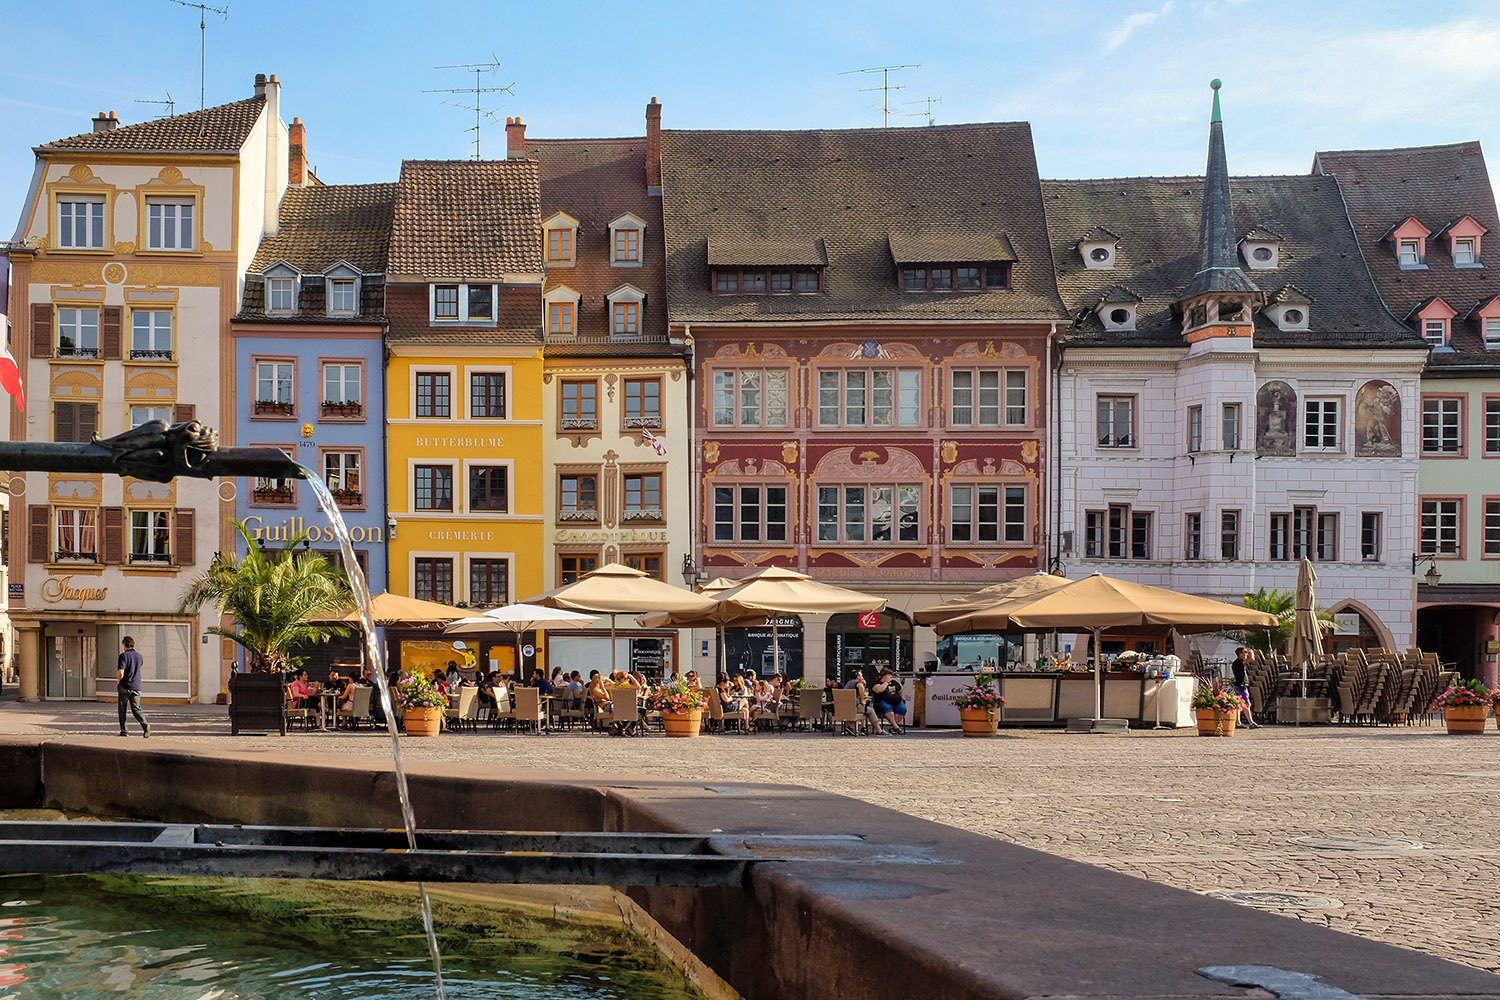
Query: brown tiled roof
[(975, 248), (1436, 185), (753, 251), (320, 226), (855, 189), (1157, 257), (462, 220), (519, 312), (223, 128)]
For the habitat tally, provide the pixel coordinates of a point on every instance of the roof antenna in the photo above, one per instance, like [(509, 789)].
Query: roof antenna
[(169, 104), (203, 11), (478, 91), (926, 111), (885, 84)]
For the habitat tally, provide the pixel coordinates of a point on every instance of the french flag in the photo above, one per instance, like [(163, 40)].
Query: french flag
[(10, 377)]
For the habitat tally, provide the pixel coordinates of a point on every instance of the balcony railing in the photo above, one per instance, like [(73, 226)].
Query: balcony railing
[(334, 408), (70, 351), (150, 557), (275, 406), (653, 421), (144, 354), (643, 514), (579, 423), (63, 555)]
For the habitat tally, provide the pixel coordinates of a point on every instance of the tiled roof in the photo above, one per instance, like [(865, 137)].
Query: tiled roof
[(223, 128), (463, 220), (974, 248), (312, 303), (1435, 185), (518, 311), (320, 226), (1158, 220), (855, 189), (755, 251)]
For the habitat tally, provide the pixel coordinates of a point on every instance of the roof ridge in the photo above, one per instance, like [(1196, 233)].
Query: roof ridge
[(1398, 149), (903, 129)]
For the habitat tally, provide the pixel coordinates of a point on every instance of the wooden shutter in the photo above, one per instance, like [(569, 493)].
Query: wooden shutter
[(88, 421), (64, 421), (184, 412), (114, 535), (38, 525), (182, 537), (41, 330), (109, 333)]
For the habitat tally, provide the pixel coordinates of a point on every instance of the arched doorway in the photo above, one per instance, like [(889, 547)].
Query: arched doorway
[(869, 641), (1356, 627)]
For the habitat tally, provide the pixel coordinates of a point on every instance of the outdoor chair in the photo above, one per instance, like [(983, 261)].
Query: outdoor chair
[(809, 707), (846, 712), (624, 712), (528, 711), (359, 707), (571, 714), (502, 710), (715, 712), (464, 710)]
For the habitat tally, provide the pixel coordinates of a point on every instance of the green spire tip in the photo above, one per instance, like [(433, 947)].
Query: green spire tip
[(1217, 117)]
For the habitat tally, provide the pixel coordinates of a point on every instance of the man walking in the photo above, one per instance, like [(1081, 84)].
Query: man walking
[(128, 679)]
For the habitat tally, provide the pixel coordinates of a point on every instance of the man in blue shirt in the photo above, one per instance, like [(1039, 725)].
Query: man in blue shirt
[(128, 680)]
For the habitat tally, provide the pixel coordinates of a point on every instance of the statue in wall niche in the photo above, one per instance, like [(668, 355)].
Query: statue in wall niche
[(1377, 421), (1275, 419)]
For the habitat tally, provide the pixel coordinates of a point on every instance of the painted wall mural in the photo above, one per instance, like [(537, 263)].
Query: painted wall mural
[(1377, 421), (1276, 419)]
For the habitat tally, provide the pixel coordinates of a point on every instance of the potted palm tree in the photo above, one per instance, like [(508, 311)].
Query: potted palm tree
[(276, 599)]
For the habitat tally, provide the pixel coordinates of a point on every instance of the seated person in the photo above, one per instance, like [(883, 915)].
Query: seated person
[(692, 679), (540, 682), (830, 684), (887, 701), (299, 690), (487, 692), (733, 704), (440, 681), (452, 675)]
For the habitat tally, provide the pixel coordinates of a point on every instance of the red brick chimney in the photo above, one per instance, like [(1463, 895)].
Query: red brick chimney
[(296, 152), (653, 147), (515, 138)]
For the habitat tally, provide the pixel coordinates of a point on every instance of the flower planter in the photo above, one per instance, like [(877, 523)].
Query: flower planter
[(257, 703), (423, 721), (980, 721), (1466, 720), (682, 723), (1216, 723)]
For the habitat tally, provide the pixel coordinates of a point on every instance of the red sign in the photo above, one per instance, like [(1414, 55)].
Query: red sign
[(869, 619)]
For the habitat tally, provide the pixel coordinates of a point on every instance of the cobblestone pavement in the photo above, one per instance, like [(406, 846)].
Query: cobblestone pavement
[(1201, 814)]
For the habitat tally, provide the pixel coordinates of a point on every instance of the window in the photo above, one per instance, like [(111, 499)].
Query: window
[(750, 514), (1116, 421), (643, 497), (1195, 428), (806, 281), (278, 492), (559, 244), (780, 282), (967, 278), (1435, 332), (1327, 542), (140, 415), (1229, 535), (1442, 425), (578, 498), (977, 400), (648, 563), (1093, 534), (341, 297), (1193, 537), (1408, 253), (1140, 535), (434, 487), (1440, 529), (1492, 332), (474, 304), (626, 318), (1369, 536), (481, 302), (1117, 533), (273, 387), (1492, 427), (169, 224), (77, 538), (80, 223), (1231, 426), (1320, 428), (150, 536), (341, 473), (433, 580), (881, 513), (571, 568), (445, 302), (1463, 252), (434, 394), (753, 281), (151, 334), (580, 406), (488, 488), (487, 395), (281, 295), (750, 397), (858, 397), (1491, 527), (489, 581), (77, 333), (642, 402), (74, 422), (627, 245), (560, 317), (1279, 546), (962, 277), (342, 385), (988, 514)]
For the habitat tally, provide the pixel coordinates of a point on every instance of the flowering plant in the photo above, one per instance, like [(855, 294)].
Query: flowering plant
[(1470, 692), (1217, 697), (679, 699), (798, 684), (980, 695), (417, 691)]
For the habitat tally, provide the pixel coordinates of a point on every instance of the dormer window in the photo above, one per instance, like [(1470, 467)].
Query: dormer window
[(560, 240), (473, 305), (1098, 249), (1463, 253), (1261, 249), (1116, 309), (625, 236), (1119, 318), (342, 289), (1492, 333), (1435, 332), (559, 244), (1288, 308), (626, 304), (1409, 240), (1464, 241), (1409, 253), (1434, 319), (281, 289), (956, 277), (561, 306)]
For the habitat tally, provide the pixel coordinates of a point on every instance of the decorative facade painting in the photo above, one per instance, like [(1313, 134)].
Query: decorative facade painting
[(1377, 421), (1276, 419)]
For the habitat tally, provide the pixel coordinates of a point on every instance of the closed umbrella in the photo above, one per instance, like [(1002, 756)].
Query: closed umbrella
[(520, 618), (787, 591), (616, 589), (1307, 634)]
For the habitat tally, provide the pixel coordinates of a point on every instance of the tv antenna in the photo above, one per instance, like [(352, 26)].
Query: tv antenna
[(478, 90), (926, 112), (169, 104), (885, 84), (203, 10)]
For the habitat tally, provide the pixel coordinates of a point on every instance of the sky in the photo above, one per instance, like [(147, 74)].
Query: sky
[(1111, 87)]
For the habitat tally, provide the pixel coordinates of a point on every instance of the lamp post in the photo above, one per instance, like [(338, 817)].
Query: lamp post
[(1433, 575)]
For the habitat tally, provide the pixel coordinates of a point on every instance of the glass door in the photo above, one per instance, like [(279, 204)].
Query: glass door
[(69, 659)]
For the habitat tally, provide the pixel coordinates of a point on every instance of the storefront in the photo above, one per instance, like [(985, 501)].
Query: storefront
[(652, 652), (79, 657), (869, 641), (756, 648), (974, 651)]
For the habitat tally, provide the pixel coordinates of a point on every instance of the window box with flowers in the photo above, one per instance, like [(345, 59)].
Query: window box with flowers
[(274, 408), (1217, 708), (275, 493), (348, 498), (681, 708), (343, 410), (1466, 707), (979, 706)]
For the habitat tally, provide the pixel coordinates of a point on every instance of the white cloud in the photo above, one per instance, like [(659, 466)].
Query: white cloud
[(1134, 23)]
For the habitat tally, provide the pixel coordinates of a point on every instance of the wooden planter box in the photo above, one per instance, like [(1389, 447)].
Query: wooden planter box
[(343, 409), (257, 703)]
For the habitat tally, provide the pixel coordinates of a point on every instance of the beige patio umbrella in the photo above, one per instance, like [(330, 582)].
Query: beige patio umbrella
[(1022, 586), (520, 618), (396, 609), (616, 589), (786, 591), (1307, 634), (716, 617), (1100, 602)]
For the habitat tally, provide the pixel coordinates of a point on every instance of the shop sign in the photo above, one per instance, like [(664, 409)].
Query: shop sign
[(464, 443), (869, 619), (18, 592), (1346, 623), (624, 536), (293, 526), (60, 589), (456, 535)]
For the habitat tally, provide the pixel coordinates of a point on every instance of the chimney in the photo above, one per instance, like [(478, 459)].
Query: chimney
[(106, 122), (653, 148), (276, 158), (296, 149), (260, 85), (515, 138)]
